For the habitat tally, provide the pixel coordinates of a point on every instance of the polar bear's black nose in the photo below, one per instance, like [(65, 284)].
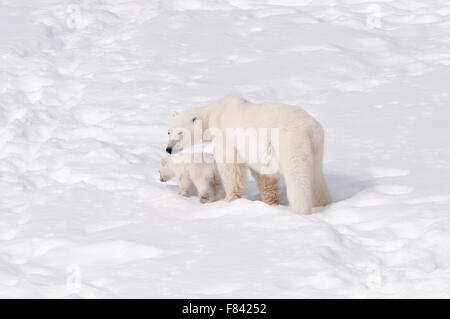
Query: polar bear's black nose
[(169, 149)]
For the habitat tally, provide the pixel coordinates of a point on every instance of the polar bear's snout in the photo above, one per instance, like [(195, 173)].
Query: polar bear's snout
[(176, 140), (172, 146)]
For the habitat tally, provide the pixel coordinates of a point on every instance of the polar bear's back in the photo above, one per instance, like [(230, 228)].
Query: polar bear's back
[(235, 112)]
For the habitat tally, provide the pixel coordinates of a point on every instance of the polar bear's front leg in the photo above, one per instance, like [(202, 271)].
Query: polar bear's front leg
[(268, 188), (234, 179), (185, 185), (205, 190)]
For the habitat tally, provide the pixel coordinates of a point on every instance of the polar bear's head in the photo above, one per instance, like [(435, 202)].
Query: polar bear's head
[(184, 131)]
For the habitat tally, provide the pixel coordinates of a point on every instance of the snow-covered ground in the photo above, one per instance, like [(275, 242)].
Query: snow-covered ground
[(86, 94)]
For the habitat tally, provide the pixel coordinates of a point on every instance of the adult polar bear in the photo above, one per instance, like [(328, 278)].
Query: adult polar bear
[(298, 155)]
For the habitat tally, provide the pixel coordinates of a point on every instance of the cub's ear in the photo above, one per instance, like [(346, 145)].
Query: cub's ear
[(194, 119), (175, 113)]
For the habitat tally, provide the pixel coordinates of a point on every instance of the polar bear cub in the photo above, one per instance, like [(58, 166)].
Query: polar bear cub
[(189, 169)]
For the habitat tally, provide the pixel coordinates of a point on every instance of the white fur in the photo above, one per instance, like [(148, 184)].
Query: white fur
[(299, 156), (203, 176)]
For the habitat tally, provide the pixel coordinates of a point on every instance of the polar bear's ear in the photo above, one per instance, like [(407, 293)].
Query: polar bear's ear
[(175, 113)]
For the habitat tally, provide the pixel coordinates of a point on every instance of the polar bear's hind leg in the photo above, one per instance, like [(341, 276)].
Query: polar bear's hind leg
[(321, 196), (297, 168)]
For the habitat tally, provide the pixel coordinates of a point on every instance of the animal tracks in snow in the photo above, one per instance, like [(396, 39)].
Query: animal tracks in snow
[(379, 172), (392, 189), (428, 199)]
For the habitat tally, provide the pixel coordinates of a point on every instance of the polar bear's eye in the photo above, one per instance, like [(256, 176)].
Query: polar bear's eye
[(180, 133), (168, 133)]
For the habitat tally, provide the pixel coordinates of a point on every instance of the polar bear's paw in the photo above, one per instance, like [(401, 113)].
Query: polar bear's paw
[(230, 198), (204, 198), (184, 193)]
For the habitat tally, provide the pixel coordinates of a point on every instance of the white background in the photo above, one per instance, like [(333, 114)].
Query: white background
[(86, 95)]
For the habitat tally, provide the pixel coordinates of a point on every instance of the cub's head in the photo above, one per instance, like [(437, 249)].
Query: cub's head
[(165, 171), (181, 131)]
